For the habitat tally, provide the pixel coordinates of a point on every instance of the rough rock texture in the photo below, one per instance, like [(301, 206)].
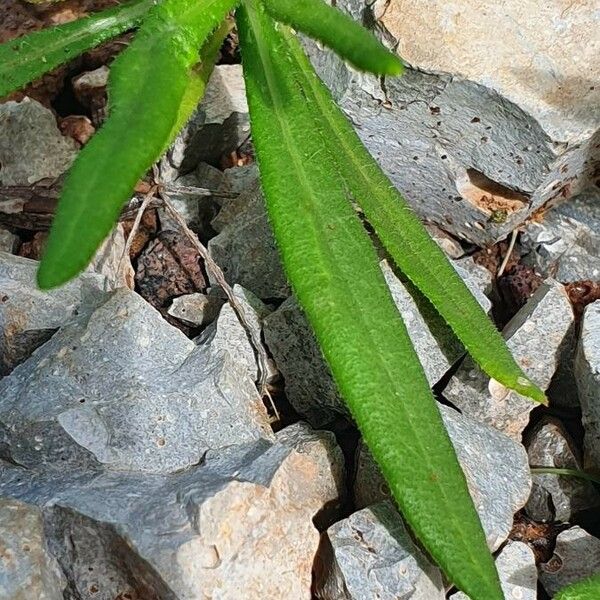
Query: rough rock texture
[(227, 335), (196, 309), (587, 370), (27, 568), (8, 241), (556, 498), (308, 382), (219, 125), (31, 145), (566, 242), (576, 556), (517, 571), (477, 136), (495, 467), (124, 388), (370, 556), (245, 247), (29, 317), (240, 521), (536, 336)]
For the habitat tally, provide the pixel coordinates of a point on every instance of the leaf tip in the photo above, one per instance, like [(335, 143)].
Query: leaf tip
[(395, 66), (526, 387)]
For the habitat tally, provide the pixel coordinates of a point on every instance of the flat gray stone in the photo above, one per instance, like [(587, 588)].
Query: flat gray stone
[(576, 556), (536, 336), (308, 382), (495, 467), (241, 520), (27, 568), (555, 498), (196, 309), (28, 316), (8, 241), (566, 243), (245, 247), (587, 370), (470, 153), (32, 147), (371, 556), (123, 388), (517, 571)]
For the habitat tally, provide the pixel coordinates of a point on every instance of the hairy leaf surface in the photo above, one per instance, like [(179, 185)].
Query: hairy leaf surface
[(27, 58), (407, 241), (333, 268), (587, 589), (148, 94), (338, 31)]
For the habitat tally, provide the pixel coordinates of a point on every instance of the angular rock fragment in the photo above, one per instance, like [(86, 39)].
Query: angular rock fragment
[(587, 371), (28, 316), (576, 556), (556, 498), (27, 567), (566, 243), (245, 247), (370, 555), (495, 467), (536, 336), (8, 241), (308, 383), (123, 388), (242, 520), (476, 140), (32, 147), (517, 571), (218, 126), (196, 309)]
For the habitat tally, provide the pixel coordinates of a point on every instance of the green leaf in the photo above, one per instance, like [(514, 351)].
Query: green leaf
[(587, 589), (408, 242), (333, 268), (338, 31), (566, 473), (28, 57), (149, 91)]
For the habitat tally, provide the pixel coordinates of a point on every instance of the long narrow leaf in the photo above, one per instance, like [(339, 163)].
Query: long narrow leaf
[(338, 31), (334, 271), (587, 589), (149, 85), (27, 58), (407, 241)]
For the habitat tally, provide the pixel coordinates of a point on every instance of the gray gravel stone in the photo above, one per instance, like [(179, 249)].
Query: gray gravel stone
[(245, 247), (555, 498), (27, 568), (8, 241), (219, 125), (536, 336), (567, 242), (576, 556), (28, 316), (196, 309), (587, 370), (370, 556), (308, 383), (243, 520), (517, 571), (468, 152), (124, 388), (227, 335), (495, 467), (32, 147)]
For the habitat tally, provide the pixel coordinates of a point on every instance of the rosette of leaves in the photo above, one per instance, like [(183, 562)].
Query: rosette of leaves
[(315, 173)]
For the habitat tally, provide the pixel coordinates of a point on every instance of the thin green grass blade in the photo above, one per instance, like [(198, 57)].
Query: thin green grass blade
[(587, 589), (148, 94), (29, 57), (334, 271), (564, 472), (338, 31), (408, 242)]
